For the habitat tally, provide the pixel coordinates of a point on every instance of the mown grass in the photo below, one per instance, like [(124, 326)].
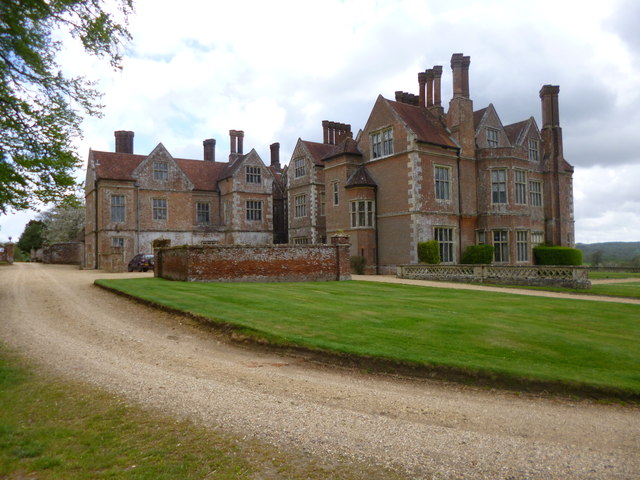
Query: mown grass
[(573, 342), (55, 429), (597, 275)]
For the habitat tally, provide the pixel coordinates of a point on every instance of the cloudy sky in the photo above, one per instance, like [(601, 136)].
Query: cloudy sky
[(277, 69)]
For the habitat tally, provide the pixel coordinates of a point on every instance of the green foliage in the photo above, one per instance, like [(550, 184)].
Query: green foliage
[(358, 263), (32, 236), (495, 333), (41, 108), (478, 254), (549, 255), (429, 252)]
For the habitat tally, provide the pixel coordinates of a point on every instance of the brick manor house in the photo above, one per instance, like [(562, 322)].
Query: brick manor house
[(413, 173), (132, 200)]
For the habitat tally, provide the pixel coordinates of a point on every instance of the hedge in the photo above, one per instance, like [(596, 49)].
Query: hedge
[(546, 255), (429, 252), (478, 254)]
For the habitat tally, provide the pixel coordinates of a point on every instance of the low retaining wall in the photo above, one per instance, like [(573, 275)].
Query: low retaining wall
[(254, 263), (532, 275)]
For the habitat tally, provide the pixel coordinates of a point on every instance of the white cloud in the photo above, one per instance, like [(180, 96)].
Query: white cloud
[(277, 69)]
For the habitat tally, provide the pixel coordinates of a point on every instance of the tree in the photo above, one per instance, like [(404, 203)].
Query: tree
[(31, 237), (63, 223), (40, 108)]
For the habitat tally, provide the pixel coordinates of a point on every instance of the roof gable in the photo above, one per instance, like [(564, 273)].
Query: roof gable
[(418, 120), (177, 178), (489, 120)]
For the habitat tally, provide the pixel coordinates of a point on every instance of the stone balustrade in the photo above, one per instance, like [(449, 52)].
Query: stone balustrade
[(530, 275)]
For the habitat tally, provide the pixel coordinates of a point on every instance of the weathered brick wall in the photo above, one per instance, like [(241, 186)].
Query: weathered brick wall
[(254, 263), (68, 253), (6, 252)]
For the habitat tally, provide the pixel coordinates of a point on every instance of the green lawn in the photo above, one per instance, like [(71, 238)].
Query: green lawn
[(604, 275), (575, 342)]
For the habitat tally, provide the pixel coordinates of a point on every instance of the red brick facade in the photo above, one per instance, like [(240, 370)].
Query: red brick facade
[(417, 173)]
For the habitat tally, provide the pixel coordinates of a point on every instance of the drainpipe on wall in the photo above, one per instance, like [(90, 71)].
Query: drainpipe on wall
[(377, 259), (95, 224), (137, 193), (459, 211)]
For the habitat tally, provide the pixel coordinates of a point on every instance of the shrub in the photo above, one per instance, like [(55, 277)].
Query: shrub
[(478, 254), (548, 255), (357, 264), (429, 252)]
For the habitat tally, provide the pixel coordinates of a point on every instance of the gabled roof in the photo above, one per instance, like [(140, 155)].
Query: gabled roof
[(346, 147), (478, 116), (317, 151), (120, 166), (515, 130), (422, 123), (361, 178)]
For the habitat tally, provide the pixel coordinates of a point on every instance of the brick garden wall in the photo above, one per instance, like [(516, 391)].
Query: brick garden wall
[(69, 253), (254, 263)]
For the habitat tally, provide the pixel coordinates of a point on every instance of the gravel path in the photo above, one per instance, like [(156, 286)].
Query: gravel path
[(427, 429)]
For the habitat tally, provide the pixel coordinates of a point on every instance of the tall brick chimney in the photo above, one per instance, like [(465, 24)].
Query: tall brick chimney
[(437, 85), (558, 199), (422, 82), (334, 132), (209, 150), (429, 73), (240, 135), (550, 110), (460, 67), (124, 141), (275, 156)]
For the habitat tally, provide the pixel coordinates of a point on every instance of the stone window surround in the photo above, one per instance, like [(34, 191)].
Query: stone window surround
[(442, 185), (160, 170), (445, 237), (160, 209)]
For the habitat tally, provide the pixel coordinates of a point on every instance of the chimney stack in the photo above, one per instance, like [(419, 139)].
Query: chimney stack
[(232, 137), (334, 132), (209, 150), (429, 74), (275, 156), (236, 137), (460, 67), (240, 135), (124, 141), (437, 87), (422, 82), (550, 110)]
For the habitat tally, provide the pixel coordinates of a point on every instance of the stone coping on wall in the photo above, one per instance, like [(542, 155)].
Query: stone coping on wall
[(529, 275)]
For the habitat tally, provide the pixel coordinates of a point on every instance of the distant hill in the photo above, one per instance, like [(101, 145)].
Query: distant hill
[(613, 252)]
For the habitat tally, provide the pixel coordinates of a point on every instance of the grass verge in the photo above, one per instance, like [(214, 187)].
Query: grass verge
[(573, 346), (52, 429)]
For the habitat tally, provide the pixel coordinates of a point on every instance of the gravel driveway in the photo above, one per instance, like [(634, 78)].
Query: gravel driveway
[(427, 429)]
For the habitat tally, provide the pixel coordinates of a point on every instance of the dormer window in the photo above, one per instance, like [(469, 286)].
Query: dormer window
[(382, 143), (492, 137), (160, 171), (534, 146)]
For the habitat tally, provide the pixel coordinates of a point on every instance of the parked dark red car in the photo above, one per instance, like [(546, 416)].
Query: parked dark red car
[(141, 263)]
